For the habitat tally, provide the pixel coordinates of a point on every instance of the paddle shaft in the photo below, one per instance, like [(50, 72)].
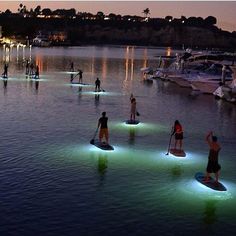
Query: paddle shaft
[(169, 142), (92, 140)]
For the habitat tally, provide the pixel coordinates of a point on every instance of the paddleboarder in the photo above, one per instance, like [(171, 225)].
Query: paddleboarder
[(133, 108), (102, 123), (27, 65), (5, 71), (72, 66), (37, 72), (80, 76), (97, 85), (178, 132), (212, 165)]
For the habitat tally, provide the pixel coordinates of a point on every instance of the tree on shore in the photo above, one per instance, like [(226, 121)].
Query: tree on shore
[(146, 12)]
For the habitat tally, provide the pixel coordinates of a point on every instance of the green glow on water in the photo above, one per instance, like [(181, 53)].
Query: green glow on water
[(122, 126), (197, 190)]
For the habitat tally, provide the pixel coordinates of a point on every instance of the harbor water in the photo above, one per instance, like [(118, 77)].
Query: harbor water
[(54, 182)]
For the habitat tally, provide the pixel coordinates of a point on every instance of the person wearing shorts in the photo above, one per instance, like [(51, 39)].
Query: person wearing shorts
[(102, 123)]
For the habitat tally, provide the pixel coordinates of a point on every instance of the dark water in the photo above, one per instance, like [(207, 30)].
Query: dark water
[(53, 182)]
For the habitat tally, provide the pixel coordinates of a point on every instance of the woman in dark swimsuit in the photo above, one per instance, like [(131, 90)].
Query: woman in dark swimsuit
[(212, 165)]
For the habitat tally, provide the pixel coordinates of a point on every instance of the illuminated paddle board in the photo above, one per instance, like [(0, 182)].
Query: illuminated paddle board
[(211, 183), (132, 122), (177, 152), (103, 146)]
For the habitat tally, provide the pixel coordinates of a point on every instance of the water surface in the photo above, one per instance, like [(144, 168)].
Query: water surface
[(53, 182)]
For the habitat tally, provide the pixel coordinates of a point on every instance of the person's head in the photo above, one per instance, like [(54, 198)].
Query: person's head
[(214, 139), (133, 100), (177, 122), (104, 114)]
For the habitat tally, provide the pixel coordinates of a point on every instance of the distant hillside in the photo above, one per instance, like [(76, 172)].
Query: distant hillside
[(158, 32)]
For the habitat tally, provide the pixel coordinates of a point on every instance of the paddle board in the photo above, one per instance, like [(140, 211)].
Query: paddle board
[(211, 183), (79, 84), (103, 146), (132, 122), (177, 152)]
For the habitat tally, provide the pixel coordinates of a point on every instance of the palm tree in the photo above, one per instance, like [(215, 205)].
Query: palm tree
[(146, 12)]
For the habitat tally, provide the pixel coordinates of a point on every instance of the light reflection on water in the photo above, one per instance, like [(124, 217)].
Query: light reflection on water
[(48, 163)]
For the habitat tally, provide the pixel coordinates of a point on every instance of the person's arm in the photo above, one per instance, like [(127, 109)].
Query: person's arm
[(99, 123), (208, 138)]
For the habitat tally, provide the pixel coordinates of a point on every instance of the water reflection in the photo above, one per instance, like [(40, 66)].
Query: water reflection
[(131, 136), (209, 214), (36, 85), (102, 165), (176, 171), (5, 85), (96, 101)]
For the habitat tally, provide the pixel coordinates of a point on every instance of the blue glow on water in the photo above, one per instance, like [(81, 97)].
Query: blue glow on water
[(101, 93), (79, 85)]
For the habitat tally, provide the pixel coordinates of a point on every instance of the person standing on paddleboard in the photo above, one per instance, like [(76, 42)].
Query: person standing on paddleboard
[(212, 165), (97, 85), (102, 123), (133, 108), (178, 132), (80, 76), (72, 67)]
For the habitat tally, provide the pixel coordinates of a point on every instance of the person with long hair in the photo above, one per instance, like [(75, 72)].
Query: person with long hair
[(178, 132)]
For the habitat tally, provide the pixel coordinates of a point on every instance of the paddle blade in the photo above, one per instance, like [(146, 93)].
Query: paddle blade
[(92, 141), (137, 113)]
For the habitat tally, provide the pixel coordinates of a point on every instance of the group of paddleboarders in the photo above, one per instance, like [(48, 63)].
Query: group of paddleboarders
[(80, 74), (29, 69), (212, 165)]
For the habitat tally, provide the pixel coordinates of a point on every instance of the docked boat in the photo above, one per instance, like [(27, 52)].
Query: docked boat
[(227, 92)]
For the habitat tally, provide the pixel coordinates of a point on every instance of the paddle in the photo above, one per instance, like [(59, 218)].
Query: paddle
[(92, 140), (72, 78), (169, 141), (137, 113)]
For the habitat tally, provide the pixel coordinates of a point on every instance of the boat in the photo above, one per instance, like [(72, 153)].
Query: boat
[(208, 81), (41, 41), (227, 92)]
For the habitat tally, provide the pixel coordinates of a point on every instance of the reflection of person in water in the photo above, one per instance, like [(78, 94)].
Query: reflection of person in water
[(176, 171), (209, 214), (80, 89), (102, 165), (97, 97), (131, 136), (5, 83), (36, 84)]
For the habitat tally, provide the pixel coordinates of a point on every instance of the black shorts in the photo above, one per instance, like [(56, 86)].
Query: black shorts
[(179, 136), (213, 167)]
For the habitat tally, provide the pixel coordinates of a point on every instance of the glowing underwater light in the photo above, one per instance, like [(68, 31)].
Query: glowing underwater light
[(197, 189), (79, 85), (101, 93)]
